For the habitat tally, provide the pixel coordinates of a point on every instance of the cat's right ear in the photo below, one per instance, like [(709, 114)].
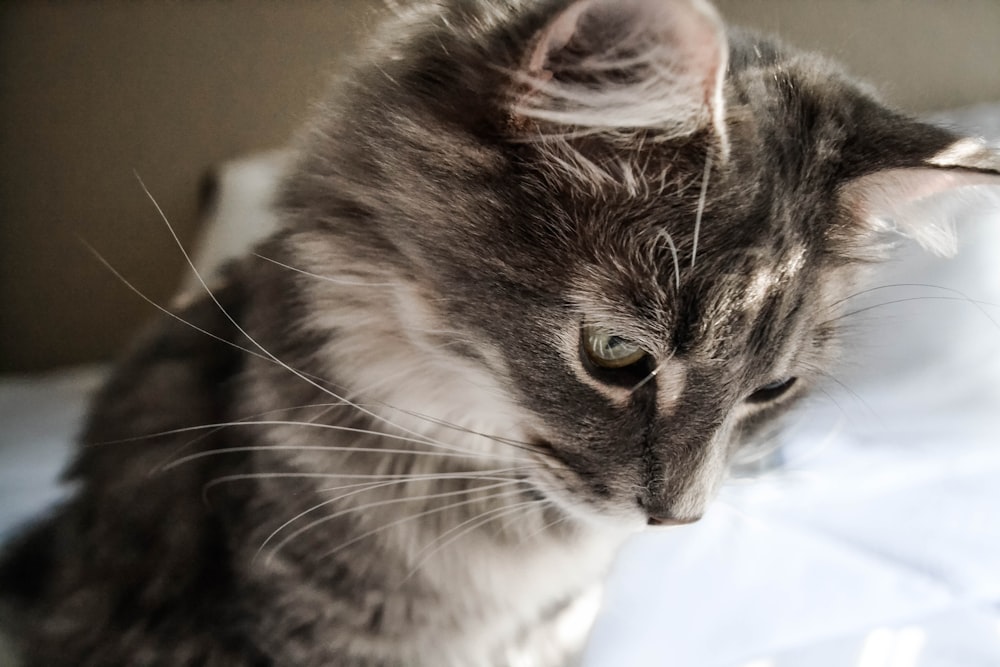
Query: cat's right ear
[(613, 66), (895, 200)]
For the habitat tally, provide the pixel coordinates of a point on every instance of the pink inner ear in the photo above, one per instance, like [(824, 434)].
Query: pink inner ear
[(556, 36), (882, 193), (678, 48), (890, 195)]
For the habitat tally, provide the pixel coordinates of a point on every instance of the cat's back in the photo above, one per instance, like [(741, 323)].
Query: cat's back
[(141, 539)]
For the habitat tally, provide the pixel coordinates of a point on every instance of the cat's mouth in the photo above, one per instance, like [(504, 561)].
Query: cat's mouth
[(580, 493)]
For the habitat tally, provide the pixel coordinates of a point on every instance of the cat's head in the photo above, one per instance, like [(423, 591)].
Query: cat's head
[(639, 225)]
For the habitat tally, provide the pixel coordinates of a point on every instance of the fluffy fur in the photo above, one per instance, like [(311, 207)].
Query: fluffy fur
[(382, 443)]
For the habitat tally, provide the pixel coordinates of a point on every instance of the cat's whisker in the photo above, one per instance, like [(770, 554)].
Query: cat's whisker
[(978, 304), (960, 296), (420, 515), (833, 399), (499, 475), (171, 314), (439, 331), (496, 474), (361, 508), (388, 380), (850, 391), (457, 532), (503, 440), (665, 235), (563, 517), (512, 442), (329, 279), (794, 458), (753, 454), (929, 286), (352, 400), (408, 518), (211, 427), (646, 380), (163, 309), (701, 207), (180, 319), (215, 428), (652, 374), (519, 444), (328, 448), (306, 448), (243, 331), (821, 445), (248, 476)]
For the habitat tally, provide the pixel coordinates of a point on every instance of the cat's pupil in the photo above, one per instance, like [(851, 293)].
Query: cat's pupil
[(615, 342), (614, 347)]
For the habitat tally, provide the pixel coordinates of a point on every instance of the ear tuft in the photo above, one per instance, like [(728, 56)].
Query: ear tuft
[(622, 65)]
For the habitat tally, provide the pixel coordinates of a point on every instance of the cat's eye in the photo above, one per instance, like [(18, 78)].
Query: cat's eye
[(607, 350), (771, 391)]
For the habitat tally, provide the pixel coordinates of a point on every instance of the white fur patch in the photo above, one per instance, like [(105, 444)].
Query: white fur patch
[(671, 380)]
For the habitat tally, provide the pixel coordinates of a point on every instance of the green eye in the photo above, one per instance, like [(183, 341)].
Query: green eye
[(608, 350)]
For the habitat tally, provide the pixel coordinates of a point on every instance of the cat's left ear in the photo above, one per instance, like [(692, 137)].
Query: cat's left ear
[(613, 66), (896, 199)]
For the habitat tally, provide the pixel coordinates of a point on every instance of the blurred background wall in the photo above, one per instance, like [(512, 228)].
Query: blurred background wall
[(92, 93)]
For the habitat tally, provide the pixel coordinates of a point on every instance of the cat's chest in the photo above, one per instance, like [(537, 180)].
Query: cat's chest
[(545, 607), (478, 606)]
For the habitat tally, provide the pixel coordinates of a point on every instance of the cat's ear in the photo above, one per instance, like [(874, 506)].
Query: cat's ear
[(905, 200), (613, 65)]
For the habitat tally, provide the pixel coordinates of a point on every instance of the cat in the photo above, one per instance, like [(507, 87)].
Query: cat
[(545, 269)]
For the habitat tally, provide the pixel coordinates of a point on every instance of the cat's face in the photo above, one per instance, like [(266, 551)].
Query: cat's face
[(642, 227)]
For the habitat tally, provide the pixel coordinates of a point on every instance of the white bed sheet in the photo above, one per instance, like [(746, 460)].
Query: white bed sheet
[(876, 544)]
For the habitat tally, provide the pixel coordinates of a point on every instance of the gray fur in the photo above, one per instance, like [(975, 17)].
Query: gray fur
[(465, 235)]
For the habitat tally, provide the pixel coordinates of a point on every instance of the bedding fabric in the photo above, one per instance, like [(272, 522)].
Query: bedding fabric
[(875, 543)]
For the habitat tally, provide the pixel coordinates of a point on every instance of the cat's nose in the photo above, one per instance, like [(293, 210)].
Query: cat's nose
[(669, 520), (664, 512)]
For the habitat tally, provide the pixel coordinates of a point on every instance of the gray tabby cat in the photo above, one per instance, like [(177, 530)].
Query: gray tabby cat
[(545, 269)]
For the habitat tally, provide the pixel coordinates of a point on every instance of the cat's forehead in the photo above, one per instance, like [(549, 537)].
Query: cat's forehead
[(647, 287)]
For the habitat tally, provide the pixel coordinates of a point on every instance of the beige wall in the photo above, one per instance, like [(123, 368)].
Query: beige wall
[(923, 54), (90, 92)]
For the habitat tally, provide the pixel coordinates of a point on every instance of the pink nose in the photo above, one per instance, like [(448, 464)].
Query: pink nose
[(669, 521)]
